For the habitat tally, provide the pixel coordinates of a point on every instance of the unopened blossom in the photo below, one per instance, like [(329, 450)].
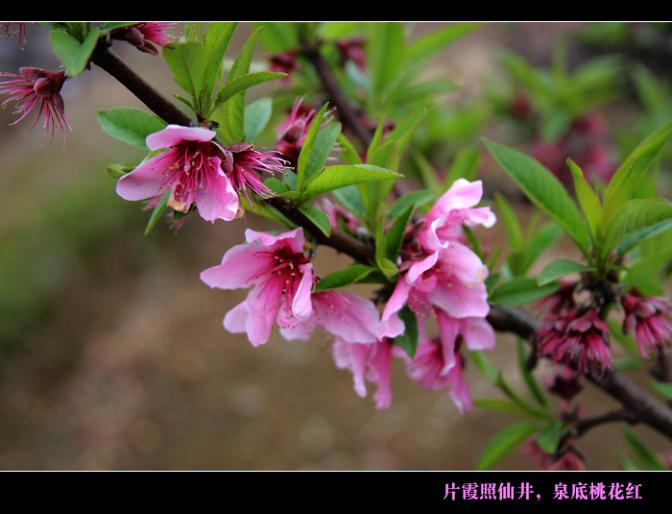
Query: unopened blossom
[(438, 271), (145, 35), (568, 459), (372, 362), (11, 29), (578, 340), (281, 278), (285, 62), (292, 132), (649, 319), (520, 106), (337, 214), (192, 169), (592, 124), (596, 162), (566, 383), (353, 50), (36, 90), (431, 370), (561, 300), (242, 162), (553, 156)]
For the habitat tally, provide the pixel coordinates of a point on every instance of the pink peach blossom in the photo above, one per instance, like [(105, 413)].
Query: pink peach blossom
[(579, 340), (372, 362), (431, 370), (145, 35), (35, 89), (649, 319), (281, 278), (191, 169), (293, 130), (347, 316), (242, 161)]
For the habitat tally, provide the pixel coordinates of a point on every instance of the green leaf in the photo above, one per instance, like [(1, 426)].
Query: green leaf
[(547, 236), (373, 195), (465, 165), (230, 102), (528, 377), (519, 291), (395, 236), (187, 62), (159, 209), (414, 198), (257, 116), (560, 268), (500, 405), (549, 437), (505, 441), (628, 363), (514, 234), (528, 407), (404, 129), (636, 221), (376, 141), (421, 92), (318, 217), (348, 150), (217, 41), (309, 143), (645, 274), (628, 177), (351, 200), (554, 125), (324, 144), (116, 171), (131, 126), (385, 265), (662, 388), (264, 210), (409, 339), (473, 241), (425, 47), (344, 277), (385, 54), (645, 455), (72, 53), (544, 190), (104, 28), (335, 177), (588, 199), (484, 365), (277, 186), (279, 37), (240, 84), (627, 464), (427, 172)]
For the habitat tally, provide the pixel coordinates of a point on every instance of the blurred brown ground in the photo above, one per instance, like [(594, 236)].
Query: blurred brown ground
[(132, 369)]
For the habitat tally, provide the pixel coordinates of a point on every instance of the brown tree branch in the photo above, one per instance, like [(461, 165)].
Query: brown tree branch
[(644, 406), (343, 107)]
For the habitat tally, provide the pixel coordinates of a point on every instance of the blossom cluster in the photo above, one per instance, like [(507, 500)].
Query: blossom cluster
[(441, 278)]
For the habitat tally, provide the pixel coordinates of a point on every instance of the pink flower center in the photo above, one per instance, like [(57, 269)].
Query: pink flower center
[(194, 166), (286, 272)]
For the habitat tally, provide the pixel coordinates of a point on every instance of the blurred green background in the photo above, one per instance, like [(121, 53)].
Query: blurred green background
[(112, 352)]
